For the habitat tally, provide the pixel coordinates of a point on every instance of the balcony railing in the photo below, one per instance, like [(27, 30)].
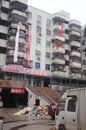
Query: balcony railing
[(21, 40), (58, 61), (75, 76), (59, 74), (75, 33), (58, 38), (21, 1), (20, 54), (74, 53), (14, 25), (75, 43), (19, 13), (60, 49), (75, 22), (75, 64)]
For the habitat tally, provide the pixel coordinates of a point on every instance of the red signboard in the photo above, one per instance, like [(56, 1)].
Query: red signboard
[(18, 90), (22, 70)]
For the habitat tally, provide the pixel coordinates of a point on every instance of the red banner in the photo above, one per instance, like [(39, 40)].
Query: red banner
[(61, 33), (28, 46)]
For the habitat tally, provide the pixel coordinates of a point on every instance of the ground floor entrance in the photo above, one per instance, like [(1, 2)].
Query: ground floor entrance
[(13, 97)]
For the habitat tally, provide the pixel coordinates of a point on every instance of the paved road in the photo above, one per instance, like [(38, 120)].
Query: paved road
[(29, 125), (25, 122)]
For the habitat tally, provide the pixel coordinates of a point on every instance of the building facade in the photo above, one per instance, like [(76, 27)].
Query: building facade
[(38, 48)]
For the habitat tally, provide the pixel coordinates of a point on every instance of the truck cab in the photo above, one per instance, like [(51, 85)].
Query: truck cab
[(66, 113)]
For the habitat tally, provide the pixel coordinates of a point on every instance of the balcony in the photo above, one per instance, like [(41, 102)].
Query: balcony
[(20, 3), (19, 13), (74, 53), (21, 40), (20, 54), (59, 74), (75, 33), (75, 22), (61, 14), (60, 50), (75, 43), (58, 38), (14, 25), (16, 18), (3, 16), (3, 29), (75, 65), (75, 76), (84, 77), (58, 61), (57, 26)]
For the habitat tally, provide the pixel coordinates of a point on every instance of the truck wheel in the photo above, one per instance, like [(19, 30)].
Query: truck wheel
[(61, 127)]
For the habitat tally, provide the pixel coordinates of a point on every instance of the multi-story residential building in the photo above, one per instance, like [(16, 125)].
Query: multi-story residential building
[(40, 49), (37, 49), (83, 48), (13, 42), (60, 47), (25, 52), (75, 49)]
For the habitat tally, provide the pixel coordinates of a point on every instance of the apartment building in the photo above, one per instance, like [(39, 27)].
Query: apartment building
[(60, 47), (83, 48), (38, 49), (13, 43)]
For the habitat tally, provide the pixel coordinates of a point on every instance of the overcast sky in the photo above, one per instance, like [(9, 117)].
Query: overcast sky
[(76, 8)]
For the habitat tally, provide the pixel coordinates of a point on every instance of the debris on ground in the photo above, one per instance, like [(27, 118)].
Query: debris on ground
[(34, 110)]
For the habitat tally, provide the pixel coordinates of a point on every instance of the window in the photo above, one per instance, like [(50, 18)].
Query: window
[(12, 31), (85, 32), (48, 32), (3, 36), (38, 41), (48, 22), (71, 105), (39, 18), (3, 50), (38, 53), (48, 55), (22, 34), (38, 29), (29, 15), (47, 67), (60, 106), (47, 43), (37, 65)]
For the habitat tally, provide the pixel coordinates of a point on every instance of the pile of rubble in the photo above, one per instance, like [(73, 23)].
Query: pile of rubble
[(34, 110)]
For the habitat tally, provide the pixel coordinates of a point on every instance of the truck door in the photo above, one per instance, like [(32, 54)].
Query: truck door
[(71, 114)]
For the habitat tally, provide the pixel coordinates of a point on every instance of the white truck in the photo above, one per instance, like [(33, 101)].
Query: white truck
[(71, 110)]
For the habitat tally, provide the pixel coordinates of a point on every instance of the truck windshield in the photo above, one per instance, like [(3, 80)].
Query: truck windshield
[(60, 106)]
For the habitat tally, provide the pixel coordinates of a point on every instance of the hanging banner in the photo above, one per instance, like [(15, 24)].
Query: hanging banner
[(62, 29), (16, 43), (61, 32), (28, 45)]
